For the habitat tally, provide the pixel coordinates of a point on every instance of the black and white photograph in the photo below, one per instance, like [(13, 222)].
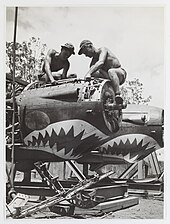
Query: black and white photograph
[(83, 119)]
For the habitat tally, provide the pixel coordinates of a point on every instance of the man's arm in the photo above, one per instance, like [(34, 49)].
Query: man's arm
[(65, 69), (99, 63), (47, 63)]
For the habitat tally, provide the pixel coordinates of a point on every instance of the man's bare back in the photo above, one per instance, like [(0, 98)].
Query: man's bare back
[(56, 61), (110, 59)]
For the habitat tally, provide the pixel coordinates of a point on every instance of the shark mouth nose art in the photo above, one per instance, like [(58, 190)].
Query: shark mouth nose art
[(66, 139), (132, 147)]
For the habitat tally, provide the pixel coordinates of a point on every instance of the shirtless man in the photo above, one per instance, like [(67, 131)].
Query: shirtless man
[(56, 61), (105, 65)]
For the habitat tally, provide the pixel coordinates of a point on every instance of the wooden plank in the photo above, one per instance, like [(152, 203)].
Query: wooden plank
[(118, 204), (110, 206), (142, 193), (145, 186), (111, 191)]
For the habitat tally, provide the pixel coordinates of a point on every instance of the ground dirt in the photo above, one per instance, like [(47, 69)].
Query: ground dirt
[(146, 209), (149, 208)]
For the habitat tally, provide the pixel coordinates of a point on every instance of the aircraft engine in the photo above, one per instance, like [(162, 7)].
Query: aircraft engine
[(68, 119)]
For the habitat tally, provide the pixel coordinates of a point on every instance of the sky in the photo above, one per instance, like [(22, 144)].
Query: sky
[(134, 34)]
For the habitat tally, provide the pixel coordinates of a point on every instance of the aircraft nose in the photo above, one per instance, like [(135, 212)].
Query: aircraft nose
[(156, 123), (156, 116)]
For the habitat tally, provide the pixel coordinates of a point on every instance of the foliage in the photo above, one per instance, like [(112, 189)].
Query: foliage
[(132, 92), (29, 57)]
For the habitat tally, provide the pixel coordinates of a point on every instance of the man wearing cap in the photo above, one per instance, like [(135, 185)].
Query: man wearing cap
[(105, 65), (55, 61)]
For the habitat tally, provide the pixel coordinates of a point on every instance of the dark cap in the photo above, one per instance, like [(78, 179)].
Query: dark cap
[(69, 46), (83, 44)]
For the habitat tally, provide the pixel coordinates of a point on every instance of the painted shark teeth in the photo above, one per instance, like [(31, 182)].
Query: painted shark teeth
[(129, 139), (125, 138), (132, 146), (64, 137), (78, 126)]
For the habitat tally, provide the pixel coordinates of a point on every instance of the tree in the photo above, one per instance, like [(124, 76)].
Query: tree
[(132, 92), (28, 60)]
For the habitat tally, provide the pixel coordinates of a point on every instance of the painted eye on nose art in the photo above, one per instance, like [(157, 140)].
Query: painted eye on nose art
[(37, 120)]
